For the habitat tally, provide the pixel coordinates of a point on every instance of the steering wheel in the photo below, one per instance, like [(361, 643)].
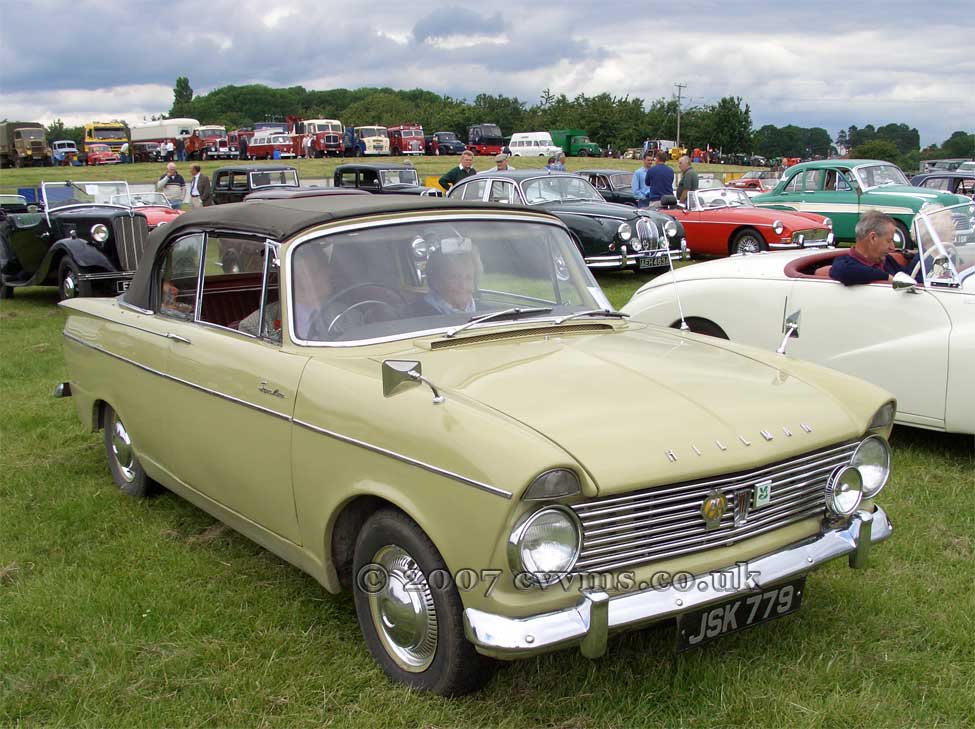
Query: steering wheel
[(370, 310)]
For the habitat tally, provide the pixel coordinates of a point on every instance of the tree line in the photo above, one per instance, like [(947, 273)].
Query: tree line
[(620, 121)]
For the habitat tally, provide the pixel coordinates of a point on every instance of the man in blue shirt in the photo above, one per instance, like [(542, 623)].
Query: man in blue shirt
[(652, 181), (869, 260)]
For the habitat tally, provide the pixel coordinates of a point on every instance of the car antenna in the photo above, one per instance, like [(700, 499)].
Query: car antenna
[(673, 277)]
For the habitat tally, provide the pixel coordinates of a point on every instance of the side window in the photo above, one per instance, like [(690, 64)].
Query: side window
[(503, 191), (813, 181), (179, 277), (600, 182), (238, 181), (965, 187), (936, 183), (233, 278), (368, 178), (222, 182), (795, 184), (473, 190), (347, 179), (842, 183)]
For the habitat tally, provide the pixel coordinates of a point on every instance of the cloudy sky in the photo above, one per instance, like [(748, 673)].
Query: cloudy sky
[(818, 63)]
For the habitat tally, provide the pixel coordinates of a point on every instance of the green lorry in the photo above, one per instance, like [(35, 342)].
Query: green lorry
[(24, 144), (575, 143)]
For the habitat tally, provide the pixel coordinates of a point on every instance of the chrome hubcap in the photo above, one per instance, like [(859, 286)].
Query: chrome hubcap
[(122, 451), (403, 612), (70, 287)]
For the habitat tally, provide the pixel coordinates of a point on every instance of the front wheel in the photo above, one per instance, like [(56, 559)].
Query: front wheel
[(583, 152), (409, 610), (126, 470), (748, 240), (70, 285)]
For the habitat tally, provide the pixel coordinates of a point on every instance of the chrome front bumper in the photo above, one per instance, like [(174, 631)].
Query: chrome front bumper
[(589, 623), (626, 257)]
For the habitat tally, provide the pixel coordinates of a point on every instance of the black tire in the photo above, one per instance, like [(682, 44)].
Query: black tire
[(583, 153), (434, 656), (699, 325), (905, 234), (69, 285), (747, 240), (125, 468)]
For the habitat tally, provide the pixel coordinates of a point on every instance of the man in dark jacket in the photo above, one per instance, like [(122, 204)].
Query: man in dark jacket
[(869, 259), (201, 194), (464, 170)]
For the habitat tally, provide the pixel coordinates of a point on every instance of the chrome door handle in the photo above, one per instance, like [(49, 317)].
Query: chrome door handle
[(268, 391), (177, 337)]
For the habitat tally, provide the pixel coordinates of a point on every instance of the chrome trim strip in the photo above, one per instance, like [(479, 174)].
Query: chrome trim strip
[(166, 376), (405, 459), (138, 309), (503, 637)]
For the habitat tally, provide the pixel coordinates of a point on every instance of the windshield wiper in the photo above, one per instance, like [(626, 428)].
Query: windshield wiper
[(592, 312), (514, 312)]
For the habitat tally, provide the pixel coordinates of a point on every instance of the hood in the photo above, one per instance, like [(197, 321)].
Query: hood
[(619, 400), (921, 195), (602, 209)]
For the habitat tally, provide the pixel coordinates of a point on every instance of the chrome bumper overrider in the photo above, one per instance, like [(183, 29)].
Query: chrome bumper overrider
[(589, 623)]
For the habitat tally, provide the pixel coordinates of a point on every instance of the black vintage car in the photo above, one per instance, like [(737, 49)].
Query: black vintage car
[(614, 185), (443, 143), (234, 183), (610, 235), (77, 240), (382, 179), (958, 182)]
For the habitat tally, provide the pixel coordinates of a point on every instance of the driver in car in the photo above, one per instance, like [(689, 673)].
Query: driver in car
[(869, 259), (452, 276)]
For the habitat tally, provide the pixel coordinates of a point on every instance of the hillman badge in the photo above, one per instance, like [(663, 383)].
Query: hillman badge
[(713, 508), (763, 494)]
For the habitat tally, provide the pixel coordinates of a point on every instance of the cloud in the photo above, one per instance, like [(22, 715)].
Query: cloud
[(457, 22)]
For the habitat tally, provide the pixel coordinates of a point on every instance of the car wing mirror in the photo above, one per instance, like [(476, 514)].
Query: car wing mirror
[(791, 327), (398, 371), (904, 282)]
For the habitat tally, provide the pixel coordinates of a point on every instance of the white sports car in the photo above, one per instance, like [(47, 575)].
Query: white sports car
[(915, 339)]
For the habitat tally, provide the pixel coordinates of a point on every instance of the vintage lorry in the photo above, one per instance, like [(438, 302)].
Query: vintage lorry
[(370, 140), (575, 143), (485, 139), (319, 137), (24, 144), (163, 131), (405, 139)]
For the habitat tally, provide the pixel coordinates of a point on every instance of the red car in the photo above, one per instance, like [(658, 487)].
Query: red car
[(153, 205), (759, 181), (101, 154), (724, 221)]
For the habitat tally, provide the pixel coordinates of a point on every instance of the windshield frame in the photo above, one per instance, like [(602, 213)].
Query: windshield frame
[(571, 178), (130, 195), (387, 183), (48, 207), (925, 226), (697, 205), (858, 173), (592, 286), (289, 171)]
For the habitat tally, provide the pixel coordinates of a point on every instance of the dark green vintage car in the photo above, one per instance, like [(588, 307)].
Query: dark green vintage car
[(610, 235), (615, 186), (843, 189)]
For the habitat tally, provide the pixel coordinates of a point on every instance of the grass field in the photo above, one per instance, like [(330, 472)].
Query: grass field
[(12, 179), (123, 613)]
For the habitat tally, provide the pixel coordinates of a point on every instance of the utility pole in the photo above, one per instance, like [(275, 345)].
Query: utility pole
[(680, 88)]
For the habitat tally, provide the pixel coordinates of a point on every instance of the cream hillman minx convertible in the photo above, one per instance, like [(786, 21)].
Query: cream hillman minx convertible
[(431, 402)]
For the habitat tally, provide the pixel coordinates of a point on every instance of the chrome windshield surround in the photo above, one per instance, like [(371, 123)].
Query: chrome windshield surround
[(321, 231)]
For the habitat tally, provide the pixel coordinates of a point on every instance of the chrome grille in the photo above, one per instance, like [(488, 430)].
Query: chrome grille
[(645, 526), (648, 233), (130, 233)]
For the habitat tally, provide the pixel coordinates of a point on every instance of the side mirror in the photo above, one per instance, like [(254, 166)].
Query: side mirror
[(398, 371), (791, 328), (904, 282)]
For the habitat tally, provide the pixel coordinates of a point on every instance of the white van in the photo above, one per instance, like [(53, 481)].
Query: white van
[(533, 144)]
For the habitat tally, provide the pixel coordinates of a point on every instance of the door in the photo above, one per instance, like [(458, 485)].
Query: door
[(839, 201), (894, 339), (231, 418)]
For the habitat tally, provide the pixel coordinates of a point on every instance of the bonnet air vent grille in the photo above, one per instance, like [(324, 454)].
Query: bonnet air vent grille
[(522, 333)]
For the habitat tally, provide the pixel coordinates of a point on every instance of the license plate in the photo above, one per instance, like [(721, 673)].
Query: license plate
[(703, 626), (659, 259)]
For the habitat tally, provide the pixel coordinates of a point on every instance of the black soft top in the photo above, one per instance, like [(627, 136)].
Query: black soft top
[(279, 220)]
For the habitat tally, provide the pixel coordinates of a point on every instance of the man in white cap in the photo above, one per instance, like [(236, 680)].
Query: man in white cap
[(501, 163)]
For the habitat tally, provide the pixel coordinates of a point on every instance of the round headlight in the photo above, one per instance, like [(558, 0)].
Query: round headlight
[(625, 232), (872, 460), (546, 544), (778, 227), (99, 233), (670, 228), (828, 222), (636, 244), (844, 489)]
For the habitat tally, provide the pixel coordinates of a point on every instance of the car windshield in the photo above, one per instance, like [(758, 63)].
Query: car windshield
[(411, 133), (13, 200), (365, 132), (274, 178), (62, 194), (401, 280), (109, 133), (30, 133), (279, 139), (946, 240), (399, 177), (100, 148), (218, 132), (140, 199), (877, 175), (724, 197), (447, 137), (558, 188)]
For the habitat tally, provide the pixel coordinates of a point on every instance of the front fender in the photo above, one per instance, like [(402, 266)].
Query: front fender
[(83, 253)]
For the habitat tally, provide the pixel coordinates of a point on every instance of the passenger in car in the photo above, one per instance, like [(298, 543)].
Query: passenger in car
[(453, 280), (869, 259)]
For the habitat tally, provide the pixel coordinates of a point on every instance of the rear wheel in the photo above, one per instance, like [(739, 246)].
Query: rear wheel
[(122, 462), (70, 285), (748, 240), (583, 152), (409, 610), (905, 241)]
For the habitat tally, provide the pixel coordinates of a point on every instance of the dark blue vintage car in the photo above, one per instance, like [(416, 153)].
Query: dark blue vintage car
[(956, 181)]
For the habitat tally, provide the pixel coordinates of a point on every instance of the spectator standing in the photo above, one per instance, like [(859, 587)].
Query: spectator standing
[(559, 164), (173, 186), (658, 180), (641, 181), (243, 146), (501, 163), (170, 151), (462, 171), (688, 179), (123, 153), (180, 149), (201, 194)]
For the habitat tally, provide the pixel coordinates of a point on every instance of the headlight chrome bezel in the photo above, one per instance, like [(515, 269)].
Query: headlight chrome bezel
[(882, 421), (624, 231), (868, 488), (99, 232), (842, 481), (515, 548), (670, 229), (778, 227)]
